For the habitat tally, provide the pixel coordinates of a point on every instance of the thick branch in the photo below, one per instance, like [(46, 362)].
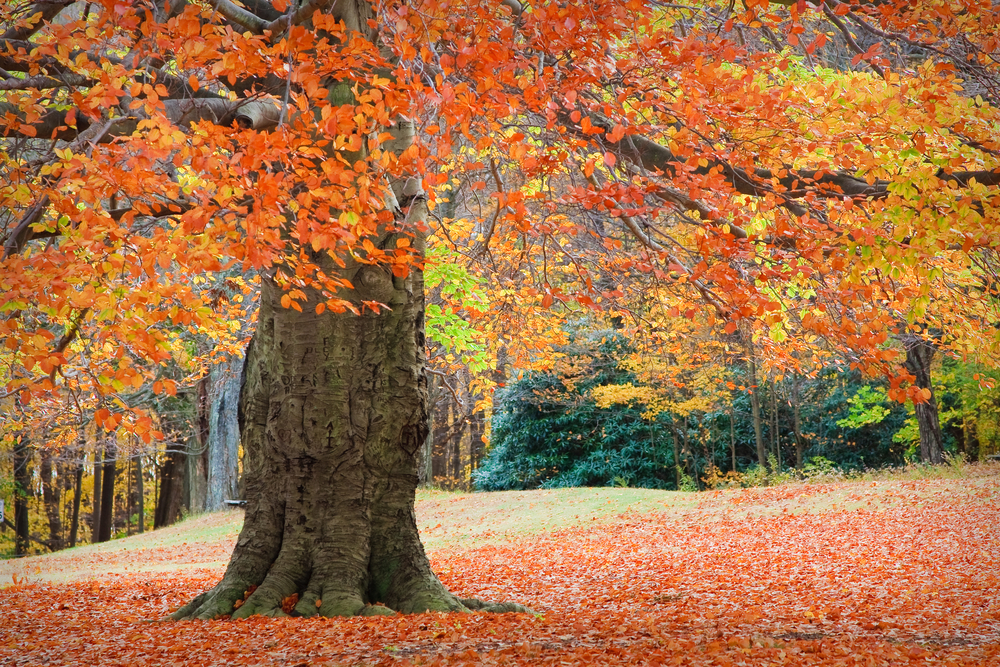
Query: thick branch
[(40, 14)]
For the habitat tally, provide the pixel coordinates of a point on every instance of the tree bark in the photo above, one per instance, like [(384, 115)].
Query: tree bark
[(22, 482), (171, 496), (732, 432), (95, 517), (140, 493), (755, 409), (107, 494), (800, 443), (334, 410), (775, 438), (196, 463), (223, 435), (919, 355), (52, 498), (74, 522)]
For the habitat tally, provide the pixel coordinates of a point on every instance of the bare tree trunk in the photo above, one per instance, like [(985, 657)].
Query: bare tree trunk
[(107, 492), (425, 460), (800, 444), (74, 522), (223, 435), (196, 473), (732, 432), (919, 355), (775, 437), (22, 484), (677, 460), (755, 408), (140, 494), (52, 498), (171, 496), (95, 517)]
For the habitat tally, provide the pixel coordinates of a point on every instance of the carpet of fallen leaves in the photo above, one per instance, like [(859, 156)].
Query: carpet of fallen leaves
[(893, 573)]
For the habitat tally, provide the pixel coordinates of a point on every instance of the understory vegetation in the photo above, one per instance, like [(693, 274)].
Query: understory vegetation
[(599, 418)]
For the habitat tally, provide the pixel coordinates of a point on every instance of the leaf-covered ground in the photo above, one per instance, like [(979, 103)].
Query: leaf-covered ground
[(864, 573)]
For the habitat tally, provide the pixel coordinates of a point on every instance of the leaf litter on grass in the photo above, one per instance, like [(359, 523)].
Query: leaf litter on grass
[(899, 573)]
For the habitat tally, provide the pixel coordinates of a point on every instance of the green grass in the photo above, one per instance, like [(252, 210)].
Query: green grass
[(454, 520)]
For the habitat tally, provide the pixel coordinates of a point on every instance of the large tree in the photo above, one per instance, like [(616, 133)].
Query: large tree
[(150, 147)]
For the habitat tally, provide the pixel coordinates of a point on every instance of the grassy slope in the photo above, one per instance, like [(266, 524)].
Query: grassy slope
[(457, 521)]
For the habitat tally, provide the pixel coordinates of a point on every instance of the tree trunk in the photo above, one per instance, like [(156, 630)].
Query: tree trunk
[(919, 354), (677, 460), (223, 435), (755, 409), (775, 438), (74, 522), (171, 496), (334, 412), (196, 464), (140, 494), (95, 517), (800, 444), (732, 432), (52, 498), (107, 494), (22, 482)]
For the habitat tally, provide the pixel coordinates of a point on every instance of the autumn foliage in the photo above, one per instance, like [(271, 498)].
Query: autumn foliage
[(888, 572)]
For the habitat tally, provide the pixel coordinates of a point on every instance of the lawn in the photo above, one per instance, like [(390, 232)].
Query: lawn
[(874, 572)]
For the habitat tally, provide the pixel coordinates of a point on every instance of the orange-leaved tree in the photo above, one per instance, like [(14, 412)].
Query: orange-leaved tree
[(717, 152)]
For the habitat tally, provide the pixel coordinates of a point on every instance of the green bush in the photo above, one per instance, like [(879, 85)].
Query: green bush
[(547, 432)]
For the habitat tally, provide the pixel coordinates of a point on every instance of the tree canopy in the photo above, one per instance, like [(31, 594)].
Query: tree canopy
[(804, 180)]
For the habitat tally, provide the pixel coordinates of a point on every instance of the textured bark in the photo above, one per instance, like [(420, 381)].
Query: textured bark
[(732, 433), (755, 410), (334, 412), (196, 463), (140, 495), (22, 482), (74, 522), (800, 442), (95, 517), (107, 494), (171, 496), (52, 498), (223, 434), (919, 355)]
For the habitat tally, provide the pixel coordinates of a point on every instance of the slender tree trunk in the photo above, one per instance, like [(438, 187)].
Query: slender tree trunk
[(107, 493), (755, 408), (52, 498), (732, 432), (677, 460), (129, 495), (74, 522), (919, 355), (171, 495), (775, 438), (800, 444), (140, 494), (425, 460), (22, 484), (196, 474), (95, 517), (223, 435)]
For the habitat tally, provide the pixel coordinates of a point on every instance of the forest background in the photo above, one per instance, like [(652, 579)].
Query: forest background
[(606, 336)]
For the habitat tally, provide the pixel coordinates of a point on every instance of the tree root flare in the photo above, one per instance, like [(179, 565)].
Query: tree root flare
[(211, 605)]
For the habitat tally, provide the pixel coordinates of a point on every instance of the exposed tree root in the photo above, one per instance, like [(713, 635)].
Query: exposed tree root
[(225, 601)]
